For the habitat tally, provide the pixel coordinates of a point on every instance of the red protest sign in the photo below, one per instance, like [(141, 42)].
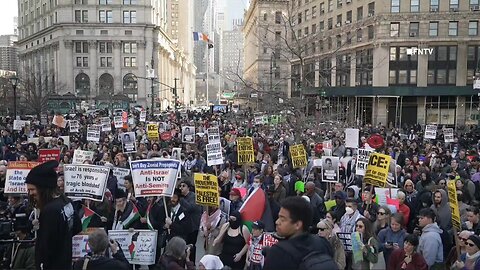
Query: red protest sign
[(45, 155), (166, 136)]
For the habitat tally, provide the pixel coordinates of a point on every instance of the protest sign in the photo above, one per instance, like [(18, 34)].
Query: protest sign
[(117, 122), (381, 195), (299, 156), (84, 181), (80, 246), (43, 119), (188, 134), (176, 153), (448, 135), (214, 154), (166, 136), (139, 246), (258, 120), (59, 121), (225, 205), (80, 156), (327, 148), (377, 170), (430, 132), (19, 124), (120, 174), (106, 124), (392, 173), (330, 169), (452, 199), (206, 189), (66, 140), (17, 171), (143, 116), (74, 126), (154, 177), (93, 133), (128, 142), (351, 137), (213, 135), (152, 131), (362, 161), (357, 247), (245, 150), (45, 155)]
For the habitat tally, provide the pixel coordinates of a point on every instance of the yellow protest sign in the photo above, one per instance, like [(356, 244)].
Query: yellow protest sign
[(299, 156), (245, 150), (452, 198), (152, 131), (377, 170), (206, 189)]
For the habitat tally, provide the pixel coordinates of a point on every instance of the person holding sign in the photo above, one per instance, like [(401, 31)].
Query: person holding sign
[(178, 221), (126, 213)]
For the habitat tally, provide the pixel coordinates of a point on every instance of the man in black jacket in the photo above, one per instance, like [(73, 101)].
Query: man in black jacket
[(179, 220), (187, 201)]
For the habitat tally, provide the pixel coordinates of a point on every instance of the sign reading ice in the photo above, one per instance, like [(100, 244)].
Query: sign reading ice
[(417, 51)]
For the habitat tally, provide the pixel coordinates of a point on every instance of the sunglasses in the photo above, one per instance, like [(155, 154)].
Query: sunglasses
[(462, 239), (381, 213), (359, 226), (321, 229), (470, 244)]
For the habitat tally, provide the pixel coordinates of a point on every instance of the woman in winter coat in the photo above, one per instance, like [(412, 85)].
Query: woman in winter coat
[(407, 258), (369, 244), (471, 259), (325, 230), (392, 237)]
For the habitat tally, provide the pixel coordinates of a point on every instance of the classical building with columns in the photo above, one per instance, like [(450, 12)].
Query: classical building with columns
[(101, 50)]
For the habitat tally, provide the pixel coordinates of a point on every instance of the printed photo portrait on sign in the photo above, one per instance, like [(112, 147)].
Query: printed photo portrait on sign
[(330, 169), (188, 134), (176, 153), (128, 142)]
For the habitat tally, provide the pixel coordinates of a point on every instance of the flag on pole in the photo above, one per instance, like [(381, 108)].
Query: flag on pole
[(133, 216), (87, 217), (257, 207), (149, 222), (200, 36)]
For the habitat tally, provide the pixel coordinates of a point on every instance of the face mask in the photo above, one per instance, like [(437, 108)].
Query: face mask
[(256, 185), (349, 210)]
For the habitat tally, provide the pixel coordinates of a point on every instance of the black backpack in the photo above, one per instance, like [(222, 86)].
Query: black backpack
[(311, 261)]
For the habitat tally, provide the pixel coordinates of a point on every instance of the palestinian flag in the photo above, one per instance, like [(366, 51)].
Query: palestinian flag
[(87, 217), (149, 223), (132, 217), (131, 250), (257, 207)]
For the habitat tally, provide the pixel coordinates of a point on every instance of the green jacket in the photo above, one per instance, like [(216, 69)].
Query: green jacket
[(25, 258)]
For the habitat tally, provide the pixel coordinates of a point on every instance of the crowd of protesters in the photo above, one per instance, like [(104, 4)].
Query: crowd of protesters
[(305, 232)]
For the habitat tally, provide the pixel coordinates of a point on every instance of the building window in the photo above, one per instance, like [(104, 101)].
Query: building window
[(105, 2), (472, 28), (395, 6), (343, 70), (473, 62), (434, 5), (129, 61), (403, 67), (129, 17), (325, 71), (105, 16), (129, 47), (371, 32), (77, 2), (454, 5), (322, 8), (265, 15), (82, 61), (106, 62), (371, 9), (364, 67), (339, 3), (442, 64), (314, 12), (339, 20), (321, 26), (330, 23), (278, 36), (330, 5), (349, 17), (129, 2), (395, 29), (474, 5), (105, 46), (414, 28), (359, 13), (359, 35), (307, 14), (81, 47), (278, 17), (414, 5), (339, 41), (81, 16), (452, 28), (299, 18), (433, 29), (314, 29), (82, 84)]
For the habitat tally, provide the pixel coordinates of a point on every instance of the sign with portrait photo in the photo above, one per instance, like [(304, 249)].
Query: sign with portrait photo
[(188, 134), (128, 142), (330, 169), (93, 133), (74, 126)]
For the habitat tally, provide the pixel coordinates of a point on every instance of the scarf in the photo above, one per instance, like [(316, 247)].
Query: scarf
[(210, 220), (471, 260)]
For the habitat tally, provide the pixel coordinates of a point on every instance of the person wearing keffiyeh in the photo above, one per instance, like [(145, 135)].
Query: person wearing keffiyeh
[(210, 223)]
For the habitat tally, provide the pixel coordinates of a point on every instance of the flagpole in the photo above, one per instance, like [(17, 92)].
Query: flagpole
[(208, 60)]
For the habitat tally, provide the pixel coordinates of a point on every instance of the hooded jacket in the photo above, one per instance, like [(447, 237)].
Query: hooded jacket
[(430, 244), (443, 211)]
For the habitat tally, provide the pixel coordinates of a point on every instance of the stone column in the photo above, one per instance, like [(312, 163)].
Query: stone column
[(353, 69), (381, 64), (462, 51), (460, 115), (421, 114), (141, 72), (422, 68), (334, 72), (66, 75), (93, 64), (117, 67), (54, 68)]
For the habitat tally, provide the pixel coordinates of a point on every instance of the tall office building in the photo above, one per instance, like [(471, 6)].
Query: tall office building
[(232, 57), (8, 53)]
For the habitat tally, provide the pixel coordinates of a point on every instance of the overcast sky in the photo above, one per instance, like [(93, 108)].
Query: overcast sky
[(8, 10)]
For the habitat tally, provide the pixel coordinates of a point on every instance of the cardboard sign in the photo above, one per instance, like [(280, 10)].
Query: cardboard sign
[(452, 199), (19, 124), (330, 169), (74, 126), (83, 181), (152, 131), (245, 150), (17, 171), (362, 161), (430, 132), (299, 156), (448, 135), (139, 246), (143, 116), (117, 122), (377, 170), (155, 177), (59, 121), (93, 133), (214, 154), (188, 134), (45, 155), (351, 137), (128, 142), (213, 135), (206, 189), (106, 124), (80, 156)]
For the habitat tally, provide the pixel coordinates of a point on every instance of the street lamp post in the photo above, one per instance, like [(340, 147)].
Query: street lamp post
[(14, 82)]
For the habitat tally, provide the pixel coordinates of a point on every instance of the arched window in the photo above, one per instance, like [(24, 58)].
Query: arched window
[(130, 86), (105, 85), (82, 84)]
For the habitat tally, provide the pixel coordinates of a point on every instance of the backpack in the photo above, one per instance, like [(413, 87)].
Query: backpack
[(311, 261)]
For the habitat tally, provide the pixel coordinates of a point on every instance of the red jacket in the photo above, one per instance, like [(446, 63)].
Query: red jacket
[(396, 261), (405, 211)]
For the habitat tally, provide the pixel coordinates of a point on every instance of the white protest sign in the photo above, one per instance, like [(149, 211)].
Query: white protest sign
[(128, 142), (213, 135), (120, 174), (351, 137), (118, 122), (66, 140), (19, 124), (154, 177), (17, 171), (80, 246), (258, 120), (93, 133), (83, 181), (448, 135), (383, 193), (430, 132), (317, 162), (74, 126), (188, 134), (362, 161), (106, 124), (80, 156), (139, 246), (392, 173), (214, 154), (143, 116)]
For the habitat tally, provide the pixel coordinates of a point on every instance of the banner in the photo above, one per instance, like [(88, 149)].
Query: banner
[(377, 170), (430, 132), (19, 124), (213, 135), (392, 173), (206, 189), (155, 177), (106, 124), (117, 121), (188, 134), (80, 246), (351, 137), (45, 155), (143, 116), (152, 131), (452, 198), (59, 121), (84, 181), (245, 150), (93, 133), (362, 161), (330, 169), (128, 142), (139, 246), (299, 156), (448, 135), (66, 140), (259, 120), (17, 171), (214, 154), (80, 156), (74, 126)]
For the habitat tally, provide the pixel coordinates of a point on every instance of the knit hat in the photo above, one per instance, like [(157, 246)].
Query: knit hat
[(43, 175), (475, 239)]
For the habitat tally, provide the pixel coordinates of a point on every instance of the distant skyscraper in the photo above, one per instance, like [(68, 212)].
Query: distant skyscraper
[(234, 12), (8, 53)]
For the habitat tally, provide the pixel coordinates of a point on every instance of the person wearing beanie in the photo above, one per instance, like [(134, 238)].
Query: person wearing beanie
[(58, 222), (127, 214), (471, 259)]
